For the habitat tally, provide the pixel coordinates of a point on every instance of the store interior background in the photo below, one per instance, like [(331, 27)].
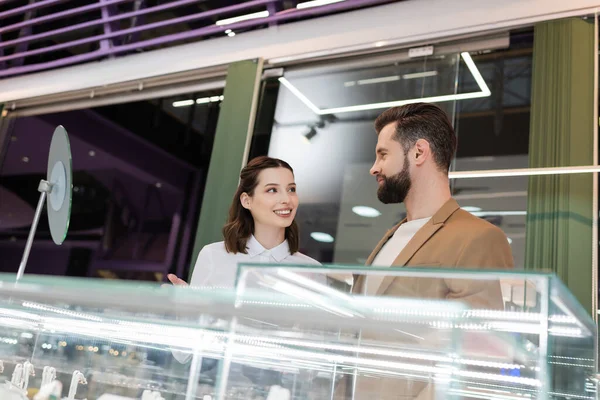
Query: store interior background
[(140, 167)]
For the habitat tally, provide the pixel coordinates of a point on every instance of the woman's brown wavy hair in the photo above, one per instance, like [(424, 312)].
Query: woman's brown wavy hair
[(240, 224)]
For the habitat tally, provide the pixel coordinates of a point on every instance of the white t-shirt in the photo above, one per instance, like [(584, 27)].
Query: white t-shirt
[(216, 268), (392, 249)]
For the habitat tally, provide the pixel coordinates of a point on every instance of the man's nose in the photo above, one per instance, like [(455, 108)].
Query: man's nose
[(374, 169)]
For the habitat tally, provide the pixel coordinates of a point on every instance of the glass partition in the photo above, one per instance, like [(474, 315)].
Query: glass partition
[(523, 335), (90, 339)]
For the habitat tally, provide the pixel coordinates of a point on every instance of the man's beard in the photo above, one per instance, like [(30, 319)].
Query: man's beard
[(395, 188)]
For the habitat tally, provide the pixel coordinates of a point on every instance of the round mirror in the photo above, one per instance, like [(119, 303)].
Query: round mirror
[(61, 182)]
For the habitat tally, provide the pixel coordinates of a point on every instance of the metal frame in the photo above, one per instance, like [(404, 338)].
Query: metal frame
[(111, 42), (484, 91), (595, 181)]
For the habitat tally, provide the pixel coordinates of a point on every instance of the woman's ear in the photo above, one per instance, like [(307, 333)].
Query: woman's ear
[(245, 200)]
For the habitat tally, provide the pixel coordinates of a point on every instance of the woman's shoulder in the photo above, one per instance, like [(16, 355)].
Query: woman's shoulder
[(214, 247), (304, 259)]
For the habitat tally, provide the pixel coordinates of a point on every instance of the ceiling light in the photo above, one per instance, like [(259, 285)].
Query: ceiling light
[(383, 79), (25, 159), (231, 34), (316, 3), (380, 43), (228, 31), (471, 208), (212, 99), (229, 21), (299, 95), (92, 153), (484, 91), (311, 134), (183, 103), (498, 173), (417, 75), (365, 211), (498, 213), (322, 237)]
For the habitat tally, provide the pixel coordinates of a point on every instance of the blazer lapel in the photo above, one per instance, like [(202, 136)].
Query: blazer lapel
[(359, 280), (420, 238), (382, 242)]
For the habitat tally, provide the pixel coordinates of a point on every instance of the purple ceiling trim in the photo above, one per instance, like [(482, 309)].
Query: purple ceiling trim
[(213, 29), (96, 22), (242, 25), (2, 63), (34, 6), (155, 25), (109, 27), (54, 64), (62, 14)]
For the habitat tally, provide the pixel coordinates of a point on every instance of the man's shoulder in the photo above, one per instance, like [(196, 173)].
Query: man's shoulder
[(471, 225)]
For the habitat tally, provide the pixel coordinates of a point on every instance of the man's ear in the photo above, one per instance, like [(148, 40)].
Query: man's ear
[(245, 200), (422, 151)]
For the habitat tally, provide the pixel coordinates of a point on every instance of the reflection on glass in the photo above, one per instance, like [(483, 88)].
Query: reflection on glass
[(500, 201), (328, 152), (493, 131), (137, 169)]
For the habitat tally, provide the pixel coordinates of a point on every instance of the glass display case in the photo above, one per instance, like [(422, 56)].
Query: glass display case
[(521, 335), (64, 338), (284, 333)]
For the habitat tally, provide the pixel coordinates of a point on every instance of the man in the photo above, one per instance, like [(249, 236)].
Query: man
[(416, 144)]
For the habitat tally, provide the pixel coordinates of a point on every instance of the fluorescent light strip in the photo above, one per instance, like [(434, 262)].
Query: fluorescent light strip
[(484, 92), (202, 100), (389, 104), (299, 95), (499, 173), (379, 80), (316, 3), (229, 21), (497, 213), (183, 103), (418, 75), (476, 74), (496, 195)]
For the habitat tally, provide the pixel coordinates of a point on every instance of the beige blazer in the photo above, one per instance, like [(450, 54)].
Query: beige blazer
[(452, 238)]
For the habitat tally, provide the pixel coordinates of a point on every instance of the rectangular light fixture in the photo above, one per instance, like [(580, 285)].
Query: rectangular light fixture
[(299, 95), (417, 75), (202, 100), (383, 79), (500, 173), (183, 103), (498, 213), (233, 20), (316, 3), (484, 91)]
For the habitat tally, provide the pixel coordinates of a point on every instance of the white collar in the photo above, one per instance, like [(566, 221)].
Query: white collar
[(279, 253)]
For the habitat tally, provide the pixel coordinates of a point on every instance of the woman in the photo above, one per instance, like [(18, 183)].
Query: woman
[(260, 228)]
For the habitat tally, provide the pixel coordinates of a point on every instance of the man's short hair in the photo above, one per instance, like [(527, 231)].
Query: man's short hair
[(422, 121)]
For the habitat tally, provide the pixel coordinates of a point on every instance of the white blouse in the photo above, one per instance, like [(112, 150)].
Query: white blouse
[(215, 267)]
